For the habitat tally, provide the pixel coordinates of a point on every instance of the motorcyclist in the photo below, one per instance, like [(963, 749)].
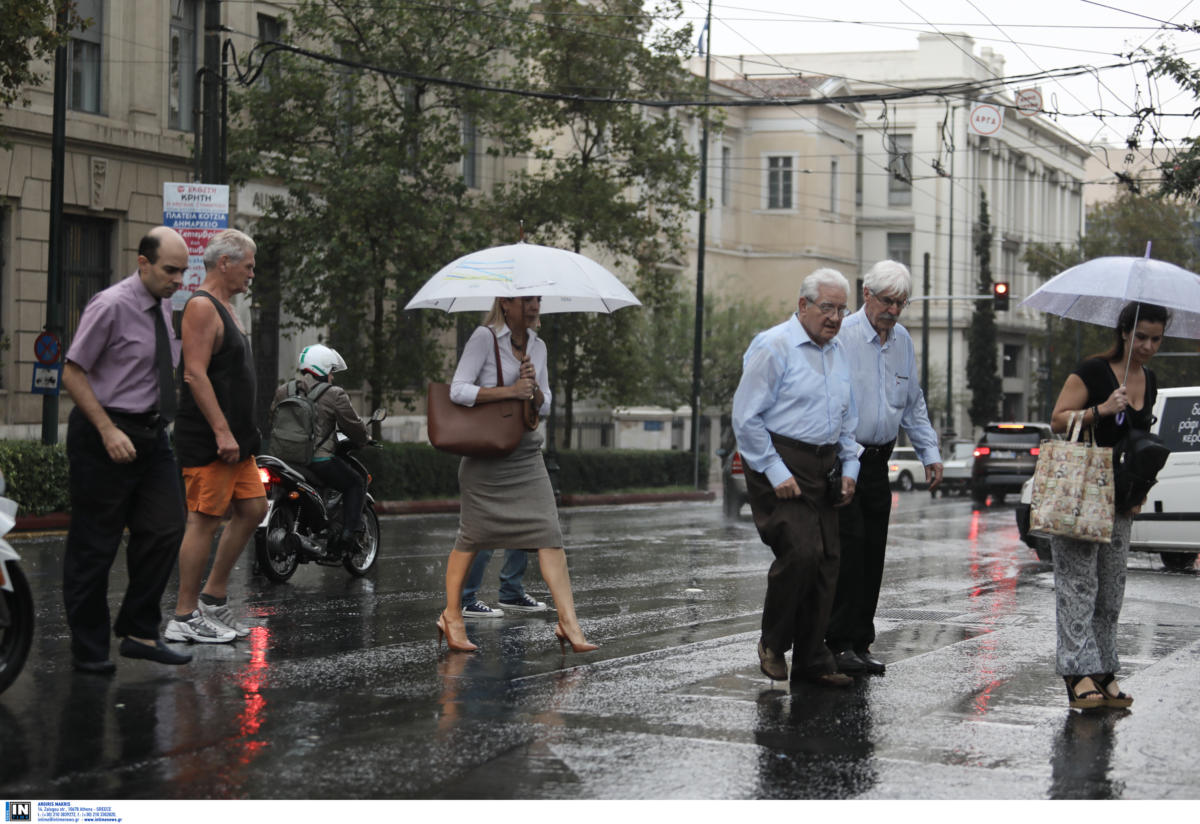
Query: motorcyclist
[(317, 364)]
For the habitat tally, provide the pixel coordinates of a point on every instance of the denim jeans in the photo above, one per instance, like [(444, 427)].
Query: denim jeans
[(515, 561)]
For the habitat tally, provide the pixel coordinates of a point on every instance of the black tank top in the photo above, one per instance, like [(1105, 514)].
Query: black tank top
[(231, 372), (1100, 381)]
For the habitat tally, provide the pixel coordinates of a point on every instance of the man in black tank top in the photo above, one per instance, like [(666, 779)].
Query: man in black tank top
[(215, 439)]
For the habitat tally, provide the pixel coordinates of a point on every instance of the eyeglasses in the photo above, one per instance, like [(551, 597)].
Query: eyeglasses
[(832, 310), (891, 303)]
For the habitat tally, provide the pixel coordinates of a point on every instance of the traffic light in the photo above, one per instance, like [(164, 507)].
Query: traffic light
[(1000, 296)]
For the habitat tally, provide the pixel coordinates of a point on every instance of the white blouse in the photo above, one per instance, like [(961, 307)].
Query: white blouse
[(477, 367)]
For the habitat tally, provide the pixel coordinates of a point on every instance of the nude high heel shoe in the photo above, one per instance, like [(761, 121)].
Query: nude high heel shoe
[(456, 644), (563, 640)]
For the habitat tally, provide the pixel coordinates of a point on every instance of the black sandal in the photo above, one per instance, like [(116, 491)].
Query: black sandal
[(1107, 682), (1090, 698)]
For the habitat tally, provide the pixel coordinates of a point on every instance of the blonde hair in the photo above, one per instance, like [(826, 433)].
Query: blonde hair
[(495, 316)]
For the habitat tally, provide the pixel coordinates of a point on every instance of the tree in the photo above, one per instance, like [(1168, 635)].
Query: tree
[(981, 335), (28, 36), (373, 166), (617, 178)]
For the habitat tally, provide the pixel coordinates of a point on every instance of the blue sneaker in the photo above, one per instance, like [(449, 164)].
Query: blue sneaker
[(479, 609), (526, 604)]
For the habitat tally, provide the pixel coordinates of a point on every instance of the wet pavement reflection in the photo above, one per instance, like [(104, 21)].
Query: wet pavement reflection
[(340, 690)]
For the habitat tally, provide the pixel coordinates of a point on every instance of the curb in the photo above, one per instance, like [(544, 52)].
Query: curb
[(61, 520)]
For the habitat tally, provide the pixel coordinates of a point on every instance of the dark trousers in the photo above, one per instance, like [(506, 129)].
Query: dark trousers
[(337, 474), (863, 525), (144, 496), (803, 534)]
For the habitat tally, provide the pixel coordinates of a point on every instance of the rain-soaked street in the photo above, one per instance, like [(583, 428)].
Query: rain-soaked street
[(341, 692)]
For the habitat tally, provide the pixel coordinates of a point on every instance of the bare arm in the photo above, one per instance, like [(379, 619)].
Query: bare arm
[(1072, 398), (202, 333), (116, 443)]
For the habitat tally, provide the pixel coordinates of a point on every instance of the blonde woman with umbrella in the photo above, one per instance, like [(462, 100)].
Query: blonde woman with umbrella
[(508, 503)]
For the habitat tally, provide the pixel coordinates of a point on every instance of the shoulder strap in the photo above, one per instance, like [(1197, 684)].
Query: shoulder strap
[(292, 389), (496, 345)]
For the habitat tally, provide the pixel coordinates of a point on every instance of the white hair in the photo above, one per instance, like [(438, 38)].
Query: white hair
[(228, 243), (812, 284), (888, 276)]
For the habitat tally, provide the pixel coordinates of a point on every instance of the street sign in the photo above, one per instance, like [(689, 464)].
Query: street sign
[(1029, 102), (47, 349), (47, 379), (986, 119), (198, 211)]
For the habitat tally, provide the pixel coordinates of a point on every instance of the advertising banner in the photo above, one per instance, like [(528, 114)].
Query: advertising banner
[(198, 211)]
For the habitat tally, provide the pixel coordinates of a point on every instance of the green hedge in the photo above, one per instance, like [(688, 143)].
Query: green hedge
[(407, 471), (36, 476)]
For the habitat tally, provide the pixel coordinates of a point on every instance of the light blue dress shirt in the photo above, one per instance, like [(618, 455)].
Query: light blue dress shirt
[(793, 387), (887, 391)]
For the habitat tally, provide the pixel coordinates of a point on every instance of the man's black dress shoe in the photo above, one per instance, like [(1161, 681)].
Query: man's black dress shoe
[(874, 665), (848, 662), (825, 679), (160, 652), (772, 664), (104, 667)]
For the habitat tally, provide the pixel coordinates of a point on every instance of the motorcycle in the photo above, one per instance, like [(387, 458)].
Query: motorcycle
[(16, 601), (303, 518)]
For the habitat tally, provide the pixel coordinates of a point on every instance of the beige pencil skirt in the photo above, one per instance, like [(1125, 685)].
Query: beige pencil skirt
[(507, 503)]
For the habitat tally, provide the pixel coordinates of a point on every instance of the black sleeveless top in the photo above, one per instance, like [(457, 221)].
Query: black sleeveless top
[(231, 372), (1100, 381)]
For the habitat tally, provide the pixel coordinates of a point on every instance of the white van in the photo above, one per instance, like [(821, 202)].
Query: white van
[(1169, 522)]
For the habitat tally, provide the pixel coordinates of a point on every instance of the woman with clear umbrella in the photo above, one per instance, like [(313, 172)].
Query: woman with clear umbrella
[(508, 503), (1113, 391)]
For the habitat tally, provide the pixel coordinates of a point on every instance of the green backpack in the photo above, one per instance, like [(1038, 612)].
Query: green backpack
[(294, 425)]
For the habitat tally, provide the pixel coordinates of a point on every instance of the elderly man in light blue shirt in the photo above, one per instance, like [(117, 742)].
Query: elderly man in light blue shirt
[(794, 418), (888, 396)]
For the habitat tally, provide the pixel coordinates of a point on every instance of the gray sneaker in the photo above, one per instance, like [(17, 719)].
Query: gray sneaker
[(223, 617), (198, 630), (478, 609)]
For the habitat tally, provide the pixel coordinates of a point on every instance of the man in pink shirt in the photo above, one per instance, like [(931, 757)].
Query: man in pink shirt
[(123, 474)]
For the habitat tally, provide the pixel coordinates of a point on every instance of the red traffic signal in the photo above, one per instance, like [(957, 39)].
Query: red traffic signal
[(1000, 295)]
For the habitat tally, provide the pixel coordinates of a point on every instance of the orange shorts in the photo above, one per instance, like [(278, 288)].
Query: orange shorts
[(212, 487)]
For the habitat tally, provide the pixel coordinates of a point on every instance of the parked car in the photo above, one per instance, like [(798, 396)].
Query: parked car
[(1005, 458), (733, 482), (905, 470), (957, 459), (1169, 522)]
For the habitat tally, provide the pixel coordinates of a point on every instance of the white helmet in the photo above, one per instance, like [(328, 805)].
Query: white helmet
[(321, 361)]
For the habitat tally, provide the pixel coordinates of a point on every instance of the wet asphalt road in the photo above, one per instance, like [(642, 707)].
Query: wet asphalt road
[(340, 692)]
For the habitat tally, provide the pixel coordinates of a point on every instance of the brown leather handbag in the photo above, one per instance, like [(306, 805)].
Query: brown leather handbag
[(486, 430)]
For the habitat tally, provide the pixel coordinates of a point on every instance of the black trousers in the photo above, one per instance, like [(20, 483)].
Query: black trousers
[(145, 496), (803, 534), (863, 525), (337, 474)]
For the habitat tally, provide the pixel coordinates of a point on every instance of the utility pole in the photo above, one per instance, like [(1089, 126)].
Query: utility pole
[(211, 90), (698, 343), (948, 433), (58, 152), (925, 330)]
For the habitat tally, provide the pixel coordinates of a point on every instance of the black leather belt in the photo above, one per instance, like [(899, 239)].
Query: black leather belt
[(818, 450), (878, 453), (149, 419)]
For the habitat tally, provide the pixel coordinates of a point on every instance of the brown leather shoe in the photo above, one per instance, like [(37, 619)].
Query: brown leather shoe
[(772, 664), (827, 679)]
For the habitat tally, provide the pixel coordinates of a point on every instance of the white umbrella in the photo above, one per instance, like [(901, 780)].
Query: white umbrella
[(1097, 290), (566, 282)]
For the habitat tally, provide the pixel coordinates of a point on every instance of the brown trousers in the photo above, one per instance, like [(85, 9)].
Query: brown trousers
[(803, 534)]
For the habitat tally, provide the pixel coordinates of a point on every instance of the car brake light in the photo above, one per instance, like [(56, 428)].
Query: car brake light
[(735, 464), (981, 451), (1034, 450), (893, 467), (1009, 426)]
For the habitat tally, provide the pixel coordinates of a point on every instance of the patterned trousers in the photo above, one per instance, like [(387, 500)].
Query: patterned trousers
[(1089, 587)]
